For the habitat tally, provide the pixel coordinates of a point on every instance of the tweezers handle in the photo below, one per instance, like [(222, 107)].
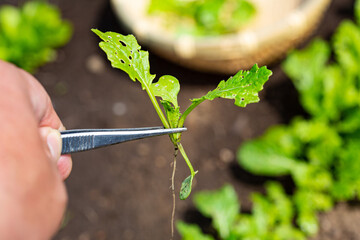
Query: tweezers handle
[(77, 143), (86, 139)]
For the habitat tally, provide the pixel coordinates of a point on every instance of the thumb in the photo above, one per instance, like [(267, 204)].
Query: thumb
[(52, 138)]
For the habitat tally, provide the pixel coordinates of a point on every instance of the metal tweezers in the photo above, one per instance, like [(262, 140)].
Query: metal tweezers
[(78, 140)]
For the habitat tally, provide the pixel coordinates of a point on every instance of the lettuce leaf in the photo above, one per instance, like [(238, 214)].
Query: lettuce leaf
[(29, 34), (221, 205)]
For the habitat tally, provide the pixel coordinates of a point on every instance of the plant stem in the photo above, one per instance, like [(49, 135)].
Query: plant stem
[(182, 151), (157, 108), (188, 110), (160, 113)]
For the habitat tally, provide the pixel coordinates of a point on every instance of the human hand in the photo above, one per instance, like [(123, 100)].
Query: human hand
[(32, 193)]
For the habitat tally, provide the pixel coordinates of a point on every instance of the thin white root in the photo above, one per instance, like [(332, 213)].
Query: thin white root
[(173, 192)]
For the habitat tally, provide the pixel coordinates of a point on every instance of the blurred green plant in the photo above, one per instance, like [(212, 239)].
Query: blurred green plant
[(29, 34), (321, 152), (271, 217), (198, 18)]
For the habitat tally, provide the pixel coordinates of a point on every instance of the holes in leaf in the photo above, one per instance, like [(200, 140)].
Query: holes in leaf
[(109, 37), (122, 61), (122, 43), (242, 99), (130, 57)]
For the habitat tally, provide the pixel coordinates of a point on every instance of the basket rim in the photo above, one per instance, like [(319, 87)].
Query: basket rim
[(244, 42)]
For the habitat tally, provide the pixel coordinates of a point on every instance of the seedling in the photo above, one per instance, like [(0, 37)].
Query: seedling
[(125, 53)]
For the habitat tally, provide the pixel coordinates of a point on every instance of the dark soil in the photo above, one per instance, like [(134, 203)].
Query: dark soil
[(123, 192)]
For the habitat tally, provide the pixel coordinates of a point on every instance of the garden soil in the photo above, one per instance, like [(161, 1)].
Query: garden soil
[(123, 191)]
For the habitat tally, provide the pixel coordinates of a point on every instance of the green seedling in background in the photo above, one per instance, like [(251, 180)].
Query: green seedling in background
[(321, 153), (271, 217), (125, 53), (28, 35), (200, 18)]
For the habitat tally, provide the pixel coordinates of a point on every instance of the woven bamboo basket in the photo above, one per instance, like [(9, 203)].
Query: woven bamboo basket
[(278, 26)]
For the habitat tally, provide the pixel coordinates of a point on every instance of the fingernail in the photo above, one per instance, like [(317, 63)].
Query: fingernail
[(53, 141)]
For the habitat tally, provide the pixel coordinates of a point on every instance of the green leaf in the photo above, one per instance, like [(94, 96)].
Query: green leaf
[(350, 123), (306, 69), (167, 88), (347, 46), (340, 92), (172, 113), (282, 203), (308, 203), (185, 189), (303, 66), (347, 184), (221, 205), (46, 18), (357, 11), (320, 141), (328, 89), (241, 15), (43, 27), (10, 19), (312, 177), (199, 18), (273, 210), (261, 158), (288, 231), (243, 87), (308, 223), (124, 53), (271, 218), (191, 232)]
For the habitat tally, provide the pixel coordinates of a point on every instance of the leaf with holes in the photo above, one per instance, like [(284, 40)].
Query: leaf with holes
[(125, 53), (243, 87)]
